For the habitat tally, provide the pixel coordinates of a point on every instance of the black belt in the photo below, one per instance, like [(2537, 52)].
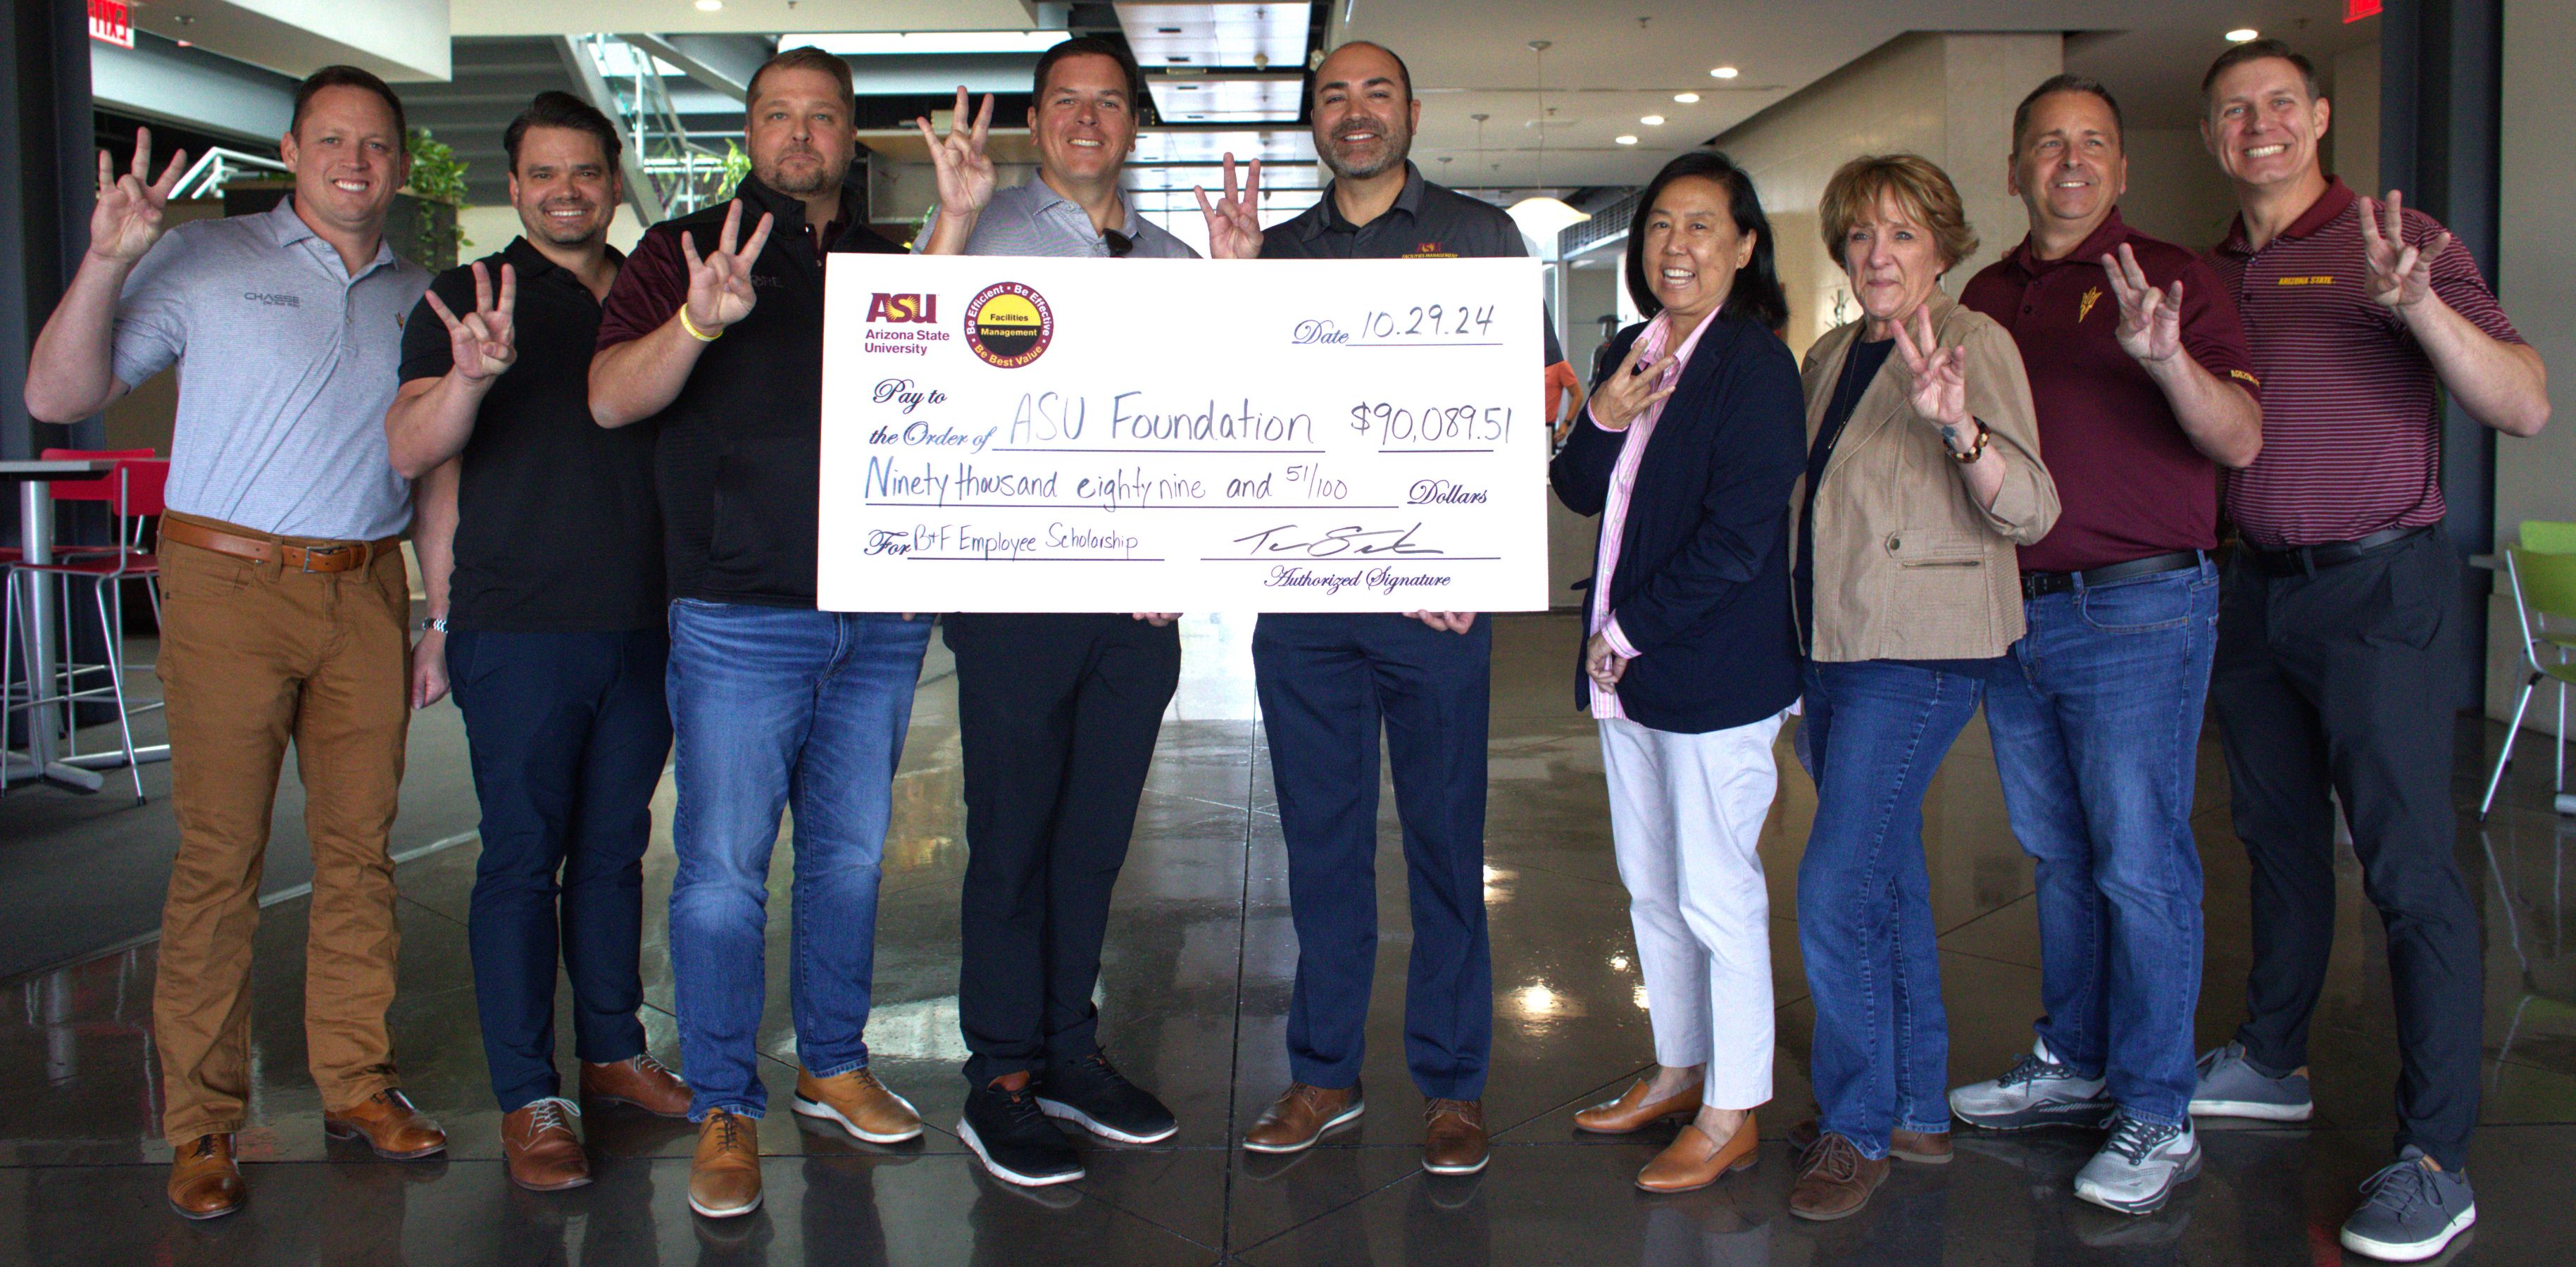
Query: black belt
[(2036, 584), (2297, 560)]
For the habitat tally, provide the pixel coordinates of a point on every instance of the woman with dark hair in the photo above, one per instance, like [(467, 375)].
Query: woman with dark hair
[(1688, 450)]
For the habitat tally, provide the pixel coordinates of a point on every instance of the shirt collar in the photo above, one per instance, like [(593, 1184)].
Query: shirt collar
[(789, 212), (1407, 200), (2319, 214), (290, 229), (2105, 238), (531, 263), (1045, 200)]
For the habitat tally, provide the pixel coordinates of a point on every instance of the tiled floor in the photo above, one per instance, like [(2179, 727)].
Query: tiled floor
[(1194, 995)]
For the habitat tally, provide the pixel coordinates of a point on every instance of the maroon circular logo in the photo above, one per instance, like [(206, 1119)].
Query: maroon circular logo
[(1009, 325)]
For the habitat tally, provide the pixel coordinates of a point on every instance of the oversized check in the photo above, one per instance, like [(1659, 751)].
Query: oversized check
[(1005, 434)]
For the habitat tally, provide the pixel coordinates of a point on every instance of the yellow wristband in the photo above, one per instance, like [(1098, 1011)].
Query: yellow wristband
[(692, 327)]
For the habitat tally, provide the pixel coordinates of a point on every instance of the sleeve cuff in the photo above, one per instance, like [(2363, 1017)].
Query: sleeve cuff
[(1618, 641)]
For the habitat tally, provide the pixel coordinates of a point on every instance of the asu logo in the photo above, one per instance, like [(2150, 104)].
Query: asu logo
[(1009, 325), (902, 308), (2084, 306)]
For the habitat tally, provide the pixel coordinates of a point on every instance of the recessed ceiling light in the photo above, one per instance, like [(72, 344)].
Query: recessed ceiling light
[(1652, 120), (1725, 72), (1686, 98), (1625, 140), (709, 6), (2243, 34)]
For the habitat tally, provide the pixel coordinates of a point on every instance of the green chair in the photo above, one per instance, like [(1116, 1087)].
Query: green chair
[(2544, 591), (2549, 536)]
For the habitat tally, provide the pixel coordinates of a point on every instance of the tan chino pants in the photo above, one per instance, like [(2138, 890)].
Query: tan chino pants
[(253, 656)]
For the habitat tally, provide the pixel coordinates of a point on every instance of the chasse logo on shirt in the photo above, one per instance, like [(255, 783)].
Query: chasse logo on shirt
[(274, 300)]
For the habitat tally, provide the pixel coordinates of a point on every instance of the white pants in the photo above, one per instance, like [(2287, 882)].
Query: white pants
[(1686, 817)]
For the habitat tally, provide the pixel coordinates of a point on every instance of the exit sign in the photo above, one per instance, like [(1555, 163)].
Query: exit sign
[(2356, 10), (110, 22)]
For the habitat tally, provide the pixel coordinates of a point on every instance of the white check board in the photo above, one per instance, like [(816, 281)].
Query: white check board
[(1007, 434)]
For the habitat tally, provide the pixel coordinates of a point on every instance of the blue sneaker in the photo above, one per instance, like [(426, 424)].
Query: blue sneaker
[(2410, 1211), (2232, 1087)]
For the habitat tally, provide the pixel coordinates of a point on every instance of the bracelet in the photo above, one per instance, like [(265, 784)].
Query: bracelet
[(692, 327), (433, 624), (1975, 450)]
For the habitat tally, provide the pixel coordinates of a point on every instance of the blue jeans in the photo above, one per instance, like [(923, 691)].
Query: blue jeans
[(567, 732), (2096, 723), (776, 706), (1878, 730)]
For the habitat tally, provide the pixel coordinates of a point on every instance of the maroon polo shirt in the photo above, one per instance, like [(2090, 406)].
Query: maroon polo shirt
[(2128, 478), (2352, 421)]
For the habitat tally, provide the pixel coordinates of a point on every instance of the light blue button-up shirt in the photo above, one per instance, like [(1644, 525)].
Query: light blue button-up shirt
[(1031, 218)]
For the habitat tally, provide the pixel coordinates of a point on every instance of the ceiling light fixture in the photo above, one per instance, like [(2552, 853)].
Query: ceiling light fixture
[(1724, 72), (1686, 98), (2243, 35), (1652, 120), (1625, 139), (917, 43), (709, 6), (1540, 216)]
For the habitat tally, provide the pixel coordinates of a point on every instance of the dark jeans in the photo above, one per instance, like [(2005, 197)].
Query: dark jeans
[(1325, 683), (2095, 718), (2341, 680), (1057, 716), (1879, 729), (778, 708), (567, 734)]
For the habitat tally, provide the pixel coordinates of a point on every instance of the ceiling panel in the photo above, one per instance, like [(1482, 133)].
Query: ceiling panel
[(1197, 146), (1243, 33), (1227, 99)]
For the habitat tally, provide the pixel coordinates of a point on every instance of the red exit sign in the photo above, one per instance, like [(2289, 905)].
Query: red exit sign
[(110, 22), (2356, 10)]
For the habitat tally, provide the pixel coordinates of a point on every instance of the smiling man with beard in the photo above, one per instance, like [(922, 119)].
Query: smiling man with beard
[(540, 547)]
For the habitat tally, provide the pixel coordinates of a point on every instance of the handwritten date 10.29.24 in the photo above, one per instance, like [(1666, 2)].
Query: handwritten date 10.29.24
[(1417, 325)]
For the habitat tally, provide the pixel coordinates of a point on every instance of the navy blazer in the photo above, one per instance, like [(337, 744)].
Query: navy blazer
[(1701, 590)]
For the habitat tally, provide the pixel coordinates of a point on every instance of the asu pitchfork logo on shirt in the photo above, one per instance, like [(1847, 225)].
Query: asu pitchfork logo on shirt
[(1009, 325)]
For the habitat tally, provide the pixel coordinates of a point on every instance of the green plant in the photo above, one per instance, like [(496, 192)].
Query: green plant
[(736, 166), (437, 176)]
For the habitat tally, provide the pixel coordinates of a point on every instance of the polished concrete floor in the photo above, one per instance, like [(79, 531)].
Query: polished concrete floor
[(1194, 994)]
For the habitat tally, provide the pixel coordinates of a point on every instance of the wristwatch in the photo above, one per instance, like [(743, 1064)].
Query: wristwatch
[(433, 624)]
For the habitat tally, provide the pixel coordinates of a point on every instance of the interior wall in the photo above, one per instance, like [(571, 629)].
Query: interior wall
[(2536, 279), (2352, 132), (1948, 98), (2176, 191)]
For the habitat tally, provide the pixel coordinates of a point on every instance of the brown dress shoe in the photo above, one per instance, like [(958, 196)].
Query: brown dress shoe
[(1923, 1148), (1834, 1180), (205, 1182), (1453, 1137), (1301, 1115), (1632, 1112), (389, 1124), (859, 1104), (724, 1176), (1695, 1159), (640, 1081), (543, 1153)]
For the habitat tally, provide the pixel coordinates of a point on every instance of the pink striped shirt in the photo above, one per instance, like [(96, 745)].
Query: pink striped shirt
[(1623, 480)]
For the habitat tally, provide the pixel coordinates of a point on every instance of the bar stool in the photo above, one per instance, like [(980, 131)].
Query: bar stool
[(133, 492)]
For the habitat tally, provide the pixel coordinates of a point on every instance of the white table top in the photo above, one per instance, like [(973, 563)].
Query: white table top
[(55, 469)]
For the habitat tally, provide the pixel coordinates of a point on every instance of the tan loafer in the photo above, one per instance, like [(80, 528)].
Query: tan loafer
[(205, 1181), (1453, 1137), (1834, 1180), (1301, 1115), (1923, 1148), (540, 1149), (858, 1103), (1695, 1159), (724, 1175), (391, 1126), (641, 1081), (1633, 1112)]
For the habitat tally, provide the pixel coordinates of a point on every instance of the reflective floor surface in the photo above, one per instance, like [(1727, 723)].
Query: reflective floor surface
[(1193, 998)]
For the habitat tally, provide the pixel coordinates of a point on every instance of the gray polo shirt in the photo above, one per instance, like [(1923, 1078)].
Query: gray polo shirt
[(1033, 219), (286, 367)]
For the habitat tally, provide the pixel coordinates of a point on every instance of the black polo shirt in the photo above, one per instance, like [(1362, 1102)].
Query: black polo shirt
[(1427, 222), (557, 529)]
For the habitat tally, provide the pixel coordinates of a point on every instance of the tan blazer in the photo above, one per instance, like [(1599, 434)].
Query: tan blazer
[(1908, 566)]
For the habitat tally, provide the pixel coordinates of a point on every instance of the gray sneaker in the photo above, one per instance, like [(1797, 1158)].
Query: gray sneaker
[(2139, 1166), (2036, 1091), (2409, 1211), (2230, 1087)]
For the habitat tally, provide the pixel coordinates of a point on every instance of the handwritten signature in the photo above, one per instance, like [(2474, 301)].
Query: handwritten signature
[(1344, 539)]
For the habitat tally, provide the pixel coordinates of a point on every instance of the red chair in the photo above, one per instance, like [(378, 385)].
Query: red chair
[(133, 491)]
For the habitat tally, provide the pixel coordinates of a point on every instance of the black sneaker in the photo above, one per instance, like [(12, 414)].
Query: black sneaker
[(1092, 1094), (1016, 1141)]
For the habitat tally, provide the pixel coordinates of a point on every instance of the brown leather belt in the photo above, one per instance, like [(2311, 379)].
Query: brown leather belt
[(339, 557)]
